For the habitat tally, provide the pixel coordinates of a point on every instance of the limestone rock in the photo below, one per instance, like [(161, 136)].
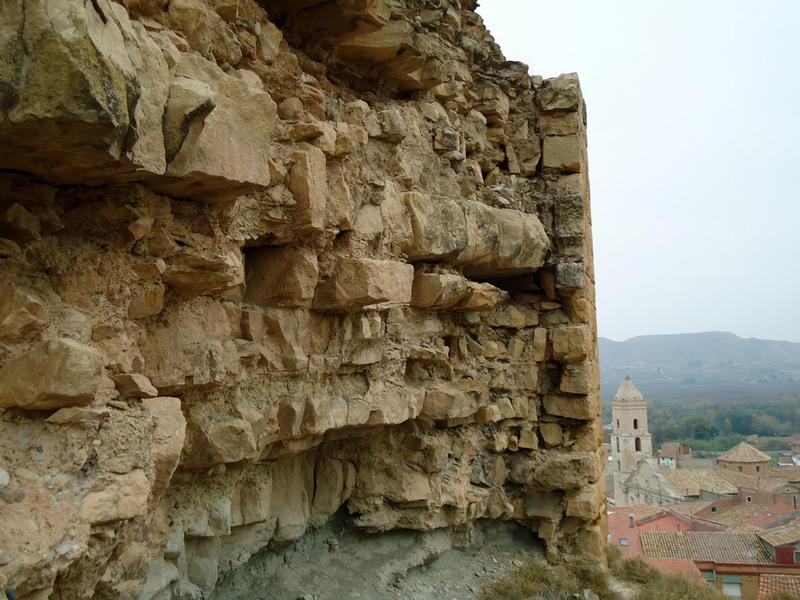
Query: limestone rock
[(364, 282), (562, 153), (52, 374), (438, 290), (381, 304), (23, 314), (282, 276), (583, 407), (568, 471), (70, 415), (227, 132), (562, 93), (571, 344), (308, 184), (455, 400), (134, 385), (486, 241), (168, 438), (577, 378), (111, 80), (125, 497)]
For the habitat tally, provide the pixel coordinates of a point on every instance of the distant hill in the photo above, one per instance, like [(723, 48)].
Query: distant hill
[(711, 365)]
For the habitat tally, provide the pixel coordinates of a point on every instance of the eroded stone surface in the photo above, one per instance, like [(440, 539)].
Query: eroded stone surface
[(260, 269)]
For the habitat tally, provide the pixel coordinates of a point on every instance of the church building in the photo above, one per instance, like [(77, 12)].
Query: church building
[(631, 441)]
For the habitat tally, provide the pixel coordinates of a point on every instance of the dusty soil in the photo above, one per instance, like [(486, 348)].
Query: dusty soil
[(338, 563)]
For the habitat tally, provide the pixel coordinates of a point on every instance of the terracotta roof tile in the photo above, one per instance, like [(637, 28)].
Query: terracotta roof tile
[(683, 568), (744, 453), (717, 546), (689, 482), (640, 512), (753, 482), (771, 584), (763, 515), (785, 534), (786, 473)]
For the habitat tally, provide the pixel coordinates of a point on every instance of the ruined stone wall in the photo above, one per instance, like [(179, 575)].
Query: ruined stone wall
[(264, 263)]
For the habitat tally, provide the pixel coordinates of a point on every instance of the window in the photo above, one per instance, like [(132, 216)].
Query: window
[(617, 423), (734, 590), (617, 444), (797, 557), (636, 423), (713, 509), (710, 578), (624, 542), (740, 469), (638, 444), (749, 499), (732, 585), (758, 469)]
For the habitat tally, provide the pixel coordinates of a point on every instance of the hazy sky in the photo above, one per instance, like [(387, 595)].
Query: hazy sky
[(694, 154)]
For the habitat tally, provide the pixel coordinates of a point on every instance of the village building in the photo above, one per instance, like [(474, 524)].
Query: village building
[(656, 485), (674, 455), (747, 510), (744, 458), (732, 562)]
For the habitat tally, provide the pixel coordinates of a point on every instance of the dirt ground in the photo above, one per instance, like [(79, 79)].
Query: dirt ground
[(338, 563)]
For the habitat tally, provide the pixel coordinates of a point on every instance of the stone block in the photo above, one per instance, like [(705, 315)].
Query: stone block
[(308, 183), (570, 276), (457, 399), (223, 134), (482, 297), (134, 385), (586, 503), (23, 314), (52, 374), (571, 343), (284, 276), (486, 241), (543, 505), (195, 271), (125, 497), (568, 471), (438, 290), (168, 438), (358, 282), (563, 153), (581, 407), (551, 434), (562, 93), (577, 378), (393, 126)]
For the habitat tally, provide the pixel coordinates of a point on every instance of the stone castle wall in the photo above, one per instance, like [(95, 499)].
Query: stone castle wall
[(264, 263)]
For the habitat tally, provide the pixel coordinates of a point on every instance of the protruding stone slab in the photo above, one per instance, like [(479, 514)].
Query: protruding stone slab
[(438, 290), (582, 407), (52, 374), (225, 131), (562, 93), (455, 400), (486, 241), (358, 282), (134, 385)]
